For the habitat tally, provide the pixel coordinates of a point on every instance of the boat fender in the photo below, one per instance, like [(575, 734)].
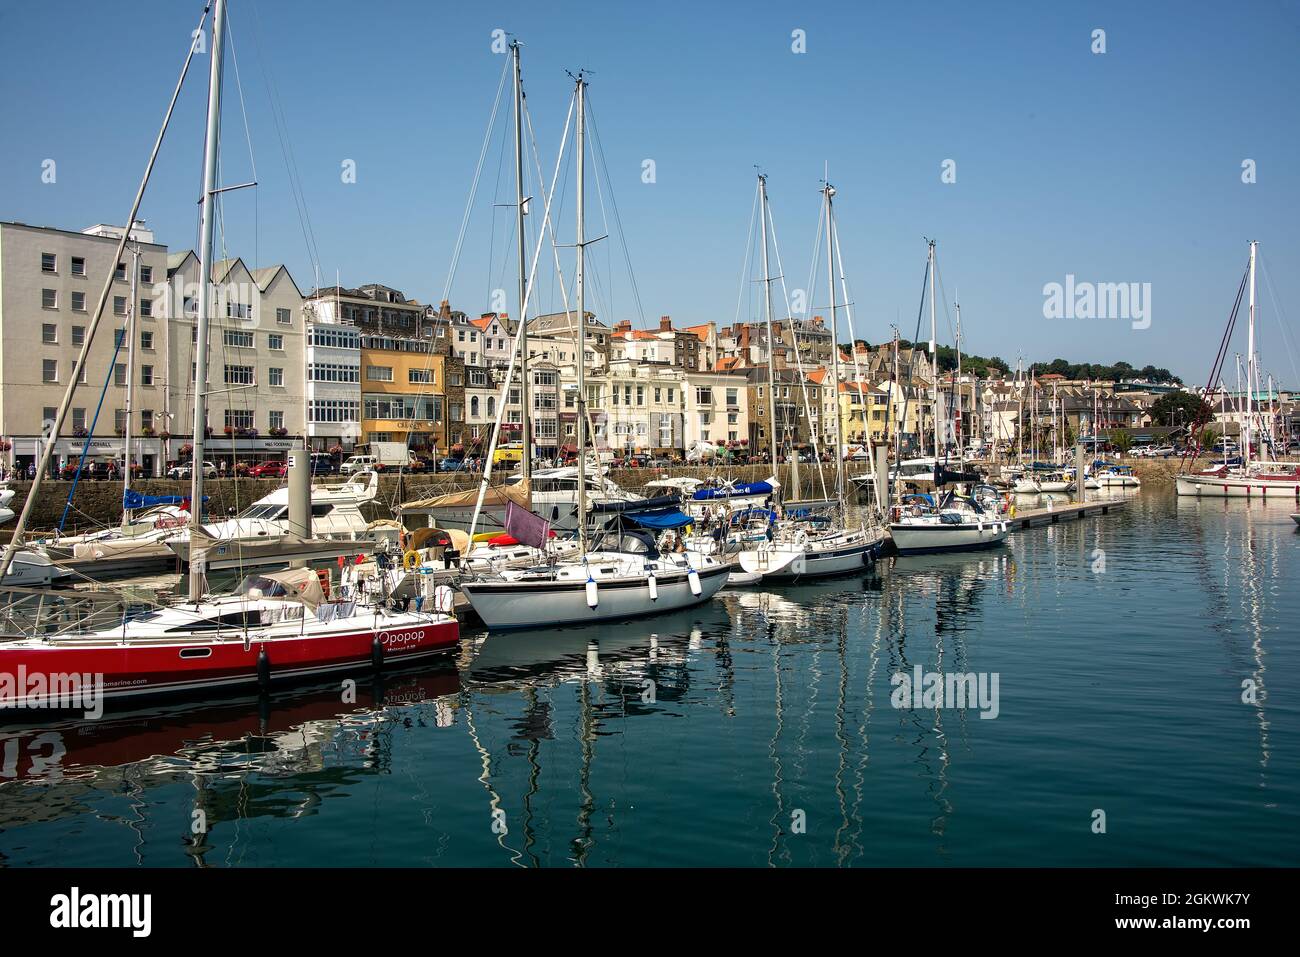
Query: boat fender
[(654, 587), (593, 592), (410, 559), (263, 668), (377, 653), (693, 577)]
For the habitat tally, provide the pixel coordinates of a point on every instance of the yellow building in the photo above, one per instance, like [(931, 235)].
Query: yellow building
[(873, 412), (411, 392)]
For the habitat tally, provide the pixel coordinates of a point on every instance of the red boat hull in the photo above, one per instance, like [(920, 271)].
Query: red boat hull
[(143, 669)]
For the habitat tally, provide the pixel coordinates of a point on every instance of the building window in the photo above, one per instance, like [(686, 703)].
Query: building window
[(146, 340), (78, 302), (456, 411), (473, 407), (120, 272), (239, 375), (275, 342), (49, 333), (79, 266), (119, 336), (119, 420), (146, 418), (333, 410), (146, 307), (379, 373), (454, 379), (78, 420), (119, 374), (284, 317), (49, 299), (119, 305), (78, 335), (146, 375), (236, 339), (49, 370), (146, 273), (238, 310), (49, 262), (419, 375), (275, 420), (239, 418), (276, 377)]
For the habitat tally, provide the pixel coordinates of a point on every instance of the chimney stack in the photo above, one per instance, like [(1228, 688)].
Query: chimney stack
[(665, 323)]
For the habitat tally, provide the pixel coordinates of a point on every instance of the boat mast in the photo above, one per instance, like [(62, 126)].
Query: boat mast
[(961, 448), (771, 346), (1250, 361), (525, 393), (207, 222), (130, 377), (829, 192), (580, 144), (934, 359)]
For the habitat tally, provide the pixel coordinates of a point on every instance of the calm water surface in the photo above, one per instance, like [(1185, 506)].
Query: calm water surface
[(758, 730)]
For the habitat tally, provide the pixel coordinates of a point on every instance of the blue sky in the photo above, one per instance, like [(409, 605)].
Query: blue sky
[(1119, 167)]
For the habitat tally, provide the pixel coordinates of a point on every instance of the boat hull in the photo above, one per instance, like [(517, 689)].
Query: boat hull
[(543, 604), (131, 669), (781, 562), (919, 539), (1233, 486)]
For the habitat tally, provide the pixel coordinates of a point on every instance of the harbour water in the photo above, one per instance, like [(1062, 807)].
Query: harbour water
[(758, 729)]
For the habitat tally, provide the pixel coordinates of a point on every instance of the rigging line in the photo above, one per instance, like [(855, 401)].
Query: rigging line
[(745, 282), (81, 462), (853, 342), (248, 136), (604, 217), (1277, 311), (280, 121), (618, 219), (478, 172), (798, 357), (555, 252)]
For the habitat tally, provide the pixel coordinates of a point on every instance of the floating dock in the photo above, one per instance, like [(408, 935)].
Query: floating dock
[(1038, 517)]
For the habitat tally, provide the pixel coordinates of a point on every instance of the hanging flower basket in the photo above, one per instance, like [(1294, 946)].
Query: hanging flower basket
[(336, 449), (230, 430), (186, 449), (147, 431), (164, 435), (5, 445), (280, 431)]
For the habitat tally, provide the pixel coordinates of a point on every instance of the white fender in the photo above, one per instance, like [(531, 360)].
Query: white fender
[(593, 592), (654, 587), (693, 577)]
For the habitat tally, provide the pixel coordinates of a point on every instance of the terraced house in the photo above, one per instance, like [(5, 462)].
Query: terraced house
[(413, 391)]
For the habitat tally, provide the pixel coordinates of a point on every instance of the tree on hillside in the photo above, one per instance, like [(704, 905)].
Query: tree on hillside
[(1180, 408)]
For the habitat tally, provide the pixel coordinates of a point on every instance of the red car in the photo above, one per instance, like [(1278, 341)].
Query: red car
[(270, 470)]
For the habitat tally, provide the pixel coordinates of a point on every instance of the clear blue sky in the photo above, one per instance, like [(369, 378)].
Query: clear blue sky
[(1118, 167)]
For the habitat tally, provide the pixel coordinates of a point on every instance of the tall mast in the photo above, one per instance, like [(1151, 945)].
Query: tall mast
[(130, 375), (771, 346), (961, 447), (580, 144), (1250, 360), (525, 394), (207, 222), (829, 191), (934, 358)]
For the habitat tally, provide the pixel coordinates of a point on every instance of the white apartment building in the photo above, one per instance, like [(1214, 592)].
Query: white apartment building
[(715, 408), (332, 382), (256, 393), (635, 407), (50, 282)]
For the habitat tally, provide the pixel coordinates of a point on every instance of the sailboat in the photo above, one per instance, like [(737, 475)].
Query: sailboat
[(945, 522), (275, 626), (1254, 478), (817, 545), (625, 575)]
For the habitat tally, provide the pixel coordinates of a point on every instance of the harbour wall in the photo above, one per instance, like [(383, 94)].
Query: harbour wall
[(99, 503)]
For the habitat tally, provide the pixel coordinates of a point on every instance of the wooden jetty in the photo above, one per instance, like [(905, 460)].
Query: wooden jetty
[(1038, 517)]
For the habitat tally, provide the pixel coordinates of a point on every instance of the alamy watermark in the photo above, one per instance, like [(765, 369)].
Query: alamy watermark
[(55, 691), (955, 690), (1098, 300)]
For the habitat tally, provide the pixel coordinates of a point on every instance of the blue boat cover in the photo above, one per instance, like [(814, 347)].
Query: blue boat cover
[(133, 499), (746, 488), (665, 518)]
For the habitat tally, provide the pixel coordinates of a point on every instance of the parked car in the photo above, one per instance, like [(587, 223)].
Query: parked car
[(322, 463), (452, 465), (185, 470), (270, 470)]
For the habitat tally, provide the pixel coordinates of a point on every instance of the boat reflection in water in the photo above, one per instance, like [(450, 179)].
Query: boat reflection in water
[(246, 756)]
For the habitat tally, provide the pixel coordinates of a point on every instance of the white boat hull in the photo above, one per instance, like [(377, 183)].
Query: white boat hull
[(910, 538), (33, 570), (1237, 486), (794, 561), (545, 604)]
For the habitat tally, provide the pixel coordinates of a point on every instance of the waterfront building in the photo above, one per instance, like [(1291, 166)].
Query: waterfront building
[(256, 399), (50, 282), (332, 377), (676, 347), (412, 391)]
